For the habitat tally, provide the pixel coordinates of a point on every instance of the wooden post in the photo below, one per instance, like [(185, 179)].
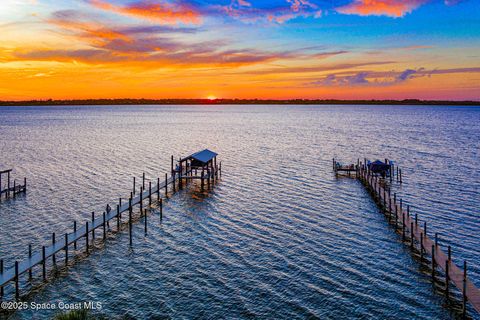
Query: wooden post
[(75, 232), (104, 226), (130, 219), (44, 264), (397, 173), (24, 185), (202, 181), (30, 257), (447, 278), (464, 291), (118, 217), (66, 248), (141, 201), (133, 185), (8, 184), (150, 193), (400, 175), (220, 169), (93, 226), (416, 219), (171, 166), (403, 226), (436, 239), (54, 258), (401, 204), (395, 198), (425, 227), (143, 181), (449, 253), (333, 165), (86, 235), (158, 189), (408, 210), (216, 168), (433, 262), (17, 290), (166, 185), (161, 209), (14, 188)]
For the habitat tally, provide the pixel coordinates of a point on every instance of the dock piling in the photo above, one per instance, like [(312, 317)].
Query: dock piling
[(93, 226), (66, 249), (104, 226), (161, 209), (166, 185), (44, 264), (130, 219), (75, 232), (86, 235), (141, 200), (118, 217), (54, 258), (17, 290), (150, 193)]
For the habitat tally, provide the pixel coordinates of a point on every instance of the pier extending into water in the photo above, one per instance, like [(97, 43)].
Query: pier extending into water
[(11, 190), (414, 234), (186, 170)]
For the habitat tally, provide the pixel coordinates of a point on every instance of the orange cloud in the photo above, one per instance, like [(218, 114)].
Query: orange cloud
[(165, 13), (392, 8)]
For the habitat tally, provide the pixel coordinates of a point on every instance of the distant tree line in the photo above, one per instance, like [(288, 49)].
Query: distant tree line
[(51, 102)]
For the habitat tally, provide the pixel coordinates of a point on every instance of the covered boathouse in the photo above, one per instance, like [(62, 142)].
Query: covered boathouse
[(199, 165)]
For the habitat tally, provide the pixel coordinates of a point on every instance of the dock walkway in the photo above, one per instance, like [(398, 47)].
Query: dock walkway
[(40, 258), (419, 238)]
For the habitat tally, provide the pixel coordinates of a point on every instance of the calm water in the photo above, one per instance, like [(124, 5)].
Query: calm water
[(280, 237)]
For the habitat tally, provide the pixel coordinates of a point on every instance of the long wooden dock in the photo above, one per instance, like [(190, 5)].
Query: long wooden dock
[(12, 274), (419, 239)]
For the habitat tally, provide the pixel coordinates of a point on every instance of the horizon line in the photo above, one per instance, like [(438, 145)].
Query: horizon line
[(231, 101)]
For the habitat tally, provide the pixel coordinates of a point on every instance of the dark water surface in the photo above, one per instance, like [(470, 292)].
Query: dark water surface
[(278, 238)]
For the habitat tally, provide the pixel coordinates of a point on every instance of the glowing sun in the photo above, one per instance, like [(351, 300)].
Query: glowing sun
[(211, 97)]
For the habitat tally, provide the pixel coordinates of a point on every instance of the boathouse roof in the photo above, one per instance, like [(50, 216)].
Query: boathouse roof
[(203, 156)]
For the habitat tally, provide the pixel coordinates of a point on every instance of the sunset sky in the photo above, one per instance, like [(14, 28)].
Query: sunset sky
[(346, 49)]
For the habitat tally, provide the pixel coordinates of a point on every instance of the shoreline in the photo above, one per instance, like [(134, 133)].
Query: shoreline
[(100, 102)]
